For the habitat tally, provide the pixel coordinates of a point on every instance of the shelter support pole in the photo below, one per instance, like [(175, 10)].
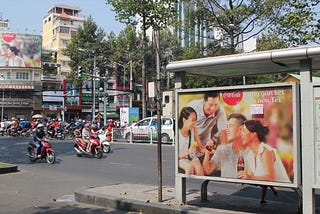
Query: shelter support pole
[(307, 136), (180, 182)]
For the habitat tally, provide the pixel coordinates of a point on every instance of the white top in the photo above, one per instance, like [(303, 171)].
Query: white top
[(227, 160), (184, 144), (259, 170)]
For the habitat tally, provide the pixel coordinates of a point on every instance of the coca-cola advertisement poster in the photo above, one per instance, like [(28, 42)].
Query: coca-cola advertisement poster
[(20, 50), (247, 134)]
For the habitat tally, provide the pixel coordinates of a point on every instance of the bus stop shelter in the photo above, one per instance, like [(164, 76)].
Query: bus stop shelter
[(298, 59)]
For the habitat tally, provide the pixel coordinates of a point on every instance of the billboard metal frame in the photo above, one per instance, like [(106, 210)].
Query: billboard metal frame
[(296, 133)]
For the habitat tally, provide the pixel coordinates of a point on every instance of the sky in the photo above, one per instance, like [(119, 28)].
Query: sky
[(25, 16)]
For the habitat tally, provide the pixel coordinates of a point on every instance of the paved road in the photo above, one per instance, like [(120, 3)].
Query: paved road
[(41, 187)]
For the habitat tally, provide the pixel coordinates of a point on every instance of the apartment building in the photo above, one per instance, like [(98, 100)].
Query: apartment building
[(60, 23)]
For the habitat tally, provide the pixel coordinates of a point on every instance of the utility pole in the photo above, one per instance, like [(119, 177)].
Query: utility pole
[(94, 89), (158, 102)]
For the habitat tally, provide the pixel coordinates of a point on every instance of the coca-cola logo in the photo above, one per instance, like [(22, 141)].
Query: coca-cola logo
[(8, 36), (232, 98)]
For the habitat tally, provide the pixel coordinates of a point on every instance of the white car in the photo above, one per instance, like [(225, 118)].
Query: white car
[(146, 128)]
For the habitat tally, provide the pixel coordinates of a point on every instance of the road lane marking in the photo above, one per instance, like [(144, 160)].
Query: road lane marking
[(123, 164)]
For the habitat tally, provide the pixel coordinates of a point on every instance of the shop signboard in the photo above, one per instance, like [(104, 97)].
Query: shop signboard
[(258, 146)]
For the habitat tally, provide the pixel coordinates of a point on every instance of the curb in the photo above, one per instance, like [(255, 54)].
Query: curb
[(118, 203), (8, 168)]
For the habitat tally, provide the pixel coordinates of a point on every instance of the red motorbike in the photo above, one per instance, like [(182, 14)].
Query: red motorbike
[(46, 152), (95, 148)]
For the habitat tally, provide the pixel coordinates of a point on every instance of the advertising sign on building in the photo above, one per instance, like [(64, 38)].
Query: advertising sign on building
[(128, 116), (244, 134), (72, 95), (20, 50)]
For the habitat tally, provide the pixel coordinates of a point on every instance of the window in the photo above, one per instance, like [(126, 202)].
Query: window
[(64, 41), (36, 74), (22, 76), (166, 121), (144, 122), (21, 94), (64, 30), (167, 99)]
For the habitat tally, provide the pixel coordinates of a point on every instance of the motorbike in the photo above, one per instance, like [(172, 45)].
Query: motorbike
[(95, 149), (26, 132), (59, 134), (46, 152), (105, 143)]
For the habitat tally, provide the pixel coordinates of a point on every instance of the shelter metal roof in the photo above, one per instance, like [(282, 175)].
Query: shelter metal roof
[(272, 61)]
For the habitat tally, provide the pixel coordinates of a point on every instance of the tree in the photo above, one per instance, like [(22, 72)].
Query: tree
[(237, 19), (300, 24), (152, 13), (88, 49), (126, 50)]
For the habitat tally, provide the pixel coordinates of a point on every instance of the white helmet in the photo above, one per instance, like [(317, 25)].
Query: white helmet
[(40, 125)]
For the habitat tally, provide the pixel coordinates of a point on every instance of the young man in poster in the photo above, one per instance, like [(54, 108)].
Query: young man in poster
[(226, 156), (211, 118)]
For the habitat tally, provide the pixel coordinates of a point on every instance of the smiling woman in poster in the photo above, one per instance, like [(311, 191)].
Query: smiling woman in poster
[(188, 145), (262, 161), (13, 58)]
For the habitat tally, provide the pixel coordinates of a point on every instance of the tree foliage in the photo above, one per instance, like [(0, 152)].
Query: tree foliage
[(148, 13), (238, 19), (300, 24), (88, 48)]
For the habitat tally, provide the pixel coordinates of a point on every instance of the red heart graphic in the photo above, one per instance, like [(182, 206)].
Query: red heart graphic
[(8, 36)]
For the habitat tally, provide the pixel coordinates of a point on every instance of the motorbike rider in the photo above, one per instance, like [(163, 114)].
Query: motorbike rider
[(78, 127), (86, 135), (93, 130), (14, 126), (108, 130), (38, 137), (56, 125)]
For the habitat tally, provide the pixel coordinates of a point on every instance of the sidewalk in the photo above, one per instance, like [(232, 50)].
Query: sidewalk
[(143, 198), (7, 168)]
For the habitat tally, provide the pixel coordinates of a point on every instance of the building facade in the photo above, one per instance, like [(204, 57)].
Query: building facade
[(61, 22), (20, 92)]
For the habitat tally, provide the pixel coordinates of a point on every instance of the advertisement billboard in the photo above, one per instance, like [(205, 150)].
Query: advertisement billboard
[(72, 95), (244, 134), (20, 50), (129, 115)]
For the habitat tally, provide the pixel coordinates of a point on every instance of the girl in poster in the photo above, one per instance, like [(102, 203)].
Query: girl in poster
[(262, 161), (188, 161)]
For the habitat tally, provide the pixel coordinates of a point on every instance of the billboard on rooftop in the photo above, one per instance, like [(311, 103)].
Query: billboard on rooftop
[(20, 50)]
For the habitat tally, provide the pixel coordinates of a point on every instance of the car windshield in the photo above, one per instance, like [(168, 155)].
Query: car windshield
[(144, 122), (166, 121)]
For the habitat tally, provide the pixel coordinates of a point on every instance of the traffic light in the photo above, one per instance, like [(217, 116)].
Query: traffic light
[(107, 100), (80, 71)]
